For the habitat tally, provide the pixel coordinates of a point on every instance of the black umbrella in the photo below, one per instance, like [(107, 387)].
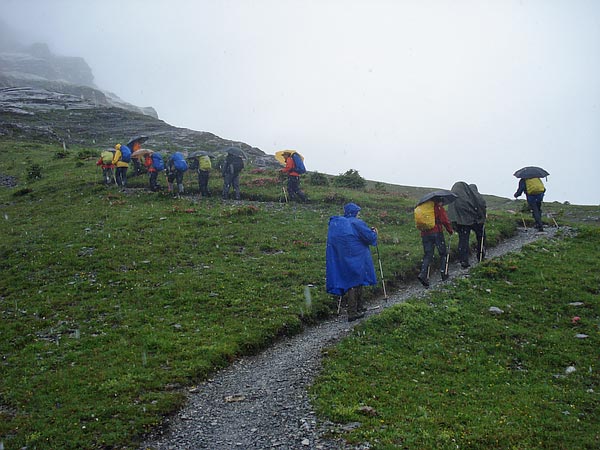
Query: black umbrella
[(235, 151), (531, 172), (140, 139), (198, 153), (442, 195)]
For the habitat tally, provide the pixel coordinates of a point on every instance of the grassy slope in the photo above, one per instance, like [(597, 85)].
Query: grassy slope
[(111, 302), (446, 373)]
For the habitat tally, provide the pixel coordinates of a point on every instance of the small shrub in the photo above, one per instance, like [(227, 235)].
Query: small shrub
[(351, 179), (88, 153), (318, 179), (34, 172)]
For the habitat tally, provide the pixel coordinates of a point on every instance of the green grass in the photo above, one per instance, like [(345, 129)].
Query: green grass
[(446, 373), (111, 304)]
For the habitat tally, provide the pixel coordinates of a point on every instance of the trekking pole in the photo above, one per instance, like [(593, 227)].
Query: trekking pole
[(284, 193), (385, 296), (552, 217), (448, 255), (524, 224), (339, 305), (481, 247)]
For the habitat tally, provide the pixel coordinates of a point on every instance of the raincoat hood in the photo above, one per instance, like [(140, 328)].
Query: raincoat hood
[(351, 210)]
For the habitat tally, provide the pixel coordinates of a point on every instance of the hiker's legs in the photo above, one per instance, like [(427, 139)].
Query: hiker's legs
[(236, 186), (535, 203), (203, 182), (440, 243), (464, 232), (153, 177), (179, 177), (479, 230), (227, 179), (294, 188), (122, 176), (170, 179), (354, 298), (428, 242), (291, 187)]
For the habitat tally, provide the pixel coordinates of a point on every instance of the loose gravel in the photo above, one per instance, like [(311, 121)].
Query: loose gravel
[(261, 402)]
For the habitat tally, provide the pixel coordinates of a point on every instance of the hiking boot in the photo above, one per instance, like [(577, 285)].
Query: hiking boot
[(445, 276), (465, 265), (424, 281)]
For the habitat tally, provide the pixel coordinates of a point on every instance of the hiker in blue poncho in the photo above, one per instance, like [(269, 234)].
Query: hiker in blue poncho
[(349, 264)]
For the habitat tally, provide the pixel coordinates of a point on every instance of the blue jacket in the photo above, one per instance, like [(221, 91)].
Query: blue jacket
[(348, 257)]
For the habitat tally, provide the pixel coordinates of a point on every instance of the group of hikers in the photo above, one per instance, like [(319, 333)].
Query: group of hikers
[(115, 164), (349, 264)]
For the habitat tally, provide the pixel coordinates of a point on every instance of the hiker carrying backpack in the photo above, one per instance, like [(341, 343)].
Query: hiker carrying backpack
[(294, 167), (231, 175)]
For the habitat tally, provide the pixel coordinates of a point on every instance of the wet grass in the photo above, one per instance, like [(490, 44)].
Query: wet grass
[(112, 304), (445, 372)]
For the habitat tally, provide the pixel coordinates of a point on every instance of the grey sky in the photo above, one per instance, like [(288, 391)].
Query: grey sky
[(415, 92)]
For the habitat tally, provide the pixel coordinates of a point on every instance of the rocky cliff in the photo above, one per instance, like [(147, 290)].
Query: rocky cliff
[(53, 98)]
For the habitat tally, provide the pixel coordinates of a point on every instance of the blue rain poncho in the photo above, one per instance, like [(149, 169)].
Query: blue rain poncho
[(348, 256)]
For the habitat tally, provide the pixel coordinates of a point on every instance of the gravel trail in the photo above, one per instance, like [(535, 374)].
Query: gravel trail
[(261, 402)]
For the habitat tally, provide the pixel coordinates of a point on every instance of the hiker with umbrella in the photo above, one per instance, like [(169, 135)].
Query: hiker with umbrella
[(230, 170), (466, 213), (134, 145), (349, 264), (200, 161), (432, 235), (531, 184), (293, 174)]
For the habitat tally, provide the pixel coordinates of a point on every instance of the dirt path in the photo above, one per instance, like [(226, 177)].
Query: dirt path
[(261, 402)]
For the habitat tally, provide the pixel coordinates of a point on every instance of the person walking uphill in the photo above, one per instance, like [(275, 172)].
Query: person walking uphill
[(231, 169), (105, 161), (176, 168), (468, 212), (349, 264), (534, 192), (121, 160), (434, 237), (293, 181)]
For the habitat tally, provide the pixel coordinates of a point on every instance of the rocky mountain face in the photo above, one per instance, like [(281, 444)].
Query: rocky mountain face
[(53, 98)]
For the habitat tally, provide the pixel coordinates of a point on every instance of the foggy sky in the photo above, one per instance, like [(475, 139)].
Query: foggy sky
[(413, 92)]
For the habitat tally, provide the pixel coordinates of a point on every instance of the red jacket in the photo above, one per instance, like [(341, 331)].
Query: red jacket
[(148, 163), (104, 166), (290, 167), (441, 219)]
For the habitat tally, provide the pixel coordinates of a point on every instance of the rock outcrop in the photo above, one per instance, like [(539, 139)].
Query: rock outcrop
[(52, 98)]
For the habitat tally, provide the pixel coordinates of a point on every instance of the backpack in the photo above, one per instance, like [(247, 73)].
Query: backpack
[(125, 154), (534, 186), (179, 162), (425, 216), (205, 163), (158, 162), (236, 164), (107, 157), (298, 164)]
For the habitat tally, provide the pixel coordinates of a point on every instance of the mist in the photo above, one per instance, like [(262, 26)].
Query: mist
[(420, 93)]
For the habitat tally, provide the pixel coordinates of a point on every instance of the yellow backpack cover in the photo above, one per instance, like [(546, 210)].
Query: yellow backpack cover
[(107, 157), (425, 216), (534, 186)]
